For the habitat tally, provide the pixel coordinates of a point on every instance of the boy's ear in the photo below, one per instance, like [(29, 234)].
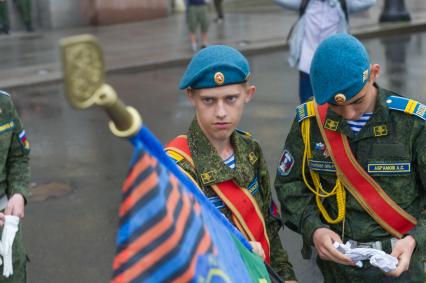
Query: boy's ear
[(375, 70), (190, 95), (250, 91)]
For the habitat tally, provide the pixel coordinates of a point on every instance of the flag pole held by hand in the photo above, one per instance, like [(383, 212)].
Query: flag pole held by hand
[(84, 79)]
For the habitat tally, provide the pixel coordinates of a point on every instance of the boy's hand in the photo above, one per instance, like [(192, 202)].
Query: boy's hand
[(323, 239), (15, 206), (402, 250), (257, 248)]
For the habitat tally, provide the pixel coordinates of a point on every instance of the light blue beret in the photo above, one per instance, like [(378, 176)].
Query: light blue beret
[(340, 66), (215, 65)]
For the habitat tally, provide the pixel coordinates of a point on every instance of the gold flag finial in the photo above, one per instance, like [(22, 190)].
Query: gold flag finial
[(84, 80)]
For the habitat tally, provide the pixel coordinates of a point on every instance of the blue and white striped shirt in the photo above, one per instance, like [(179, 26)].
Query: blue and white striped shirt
[(357, 125), (230, 161)]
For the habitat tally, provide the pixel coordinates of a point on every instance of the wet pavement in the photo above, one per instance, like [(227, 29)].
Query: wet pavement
[(250, 25), (78, 166)]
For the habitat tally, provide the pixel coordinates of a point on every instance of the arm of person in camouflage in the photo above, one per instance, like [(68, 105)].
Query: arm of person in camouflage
[(298, 207), (279, 258), (17, 163), (404, 248)]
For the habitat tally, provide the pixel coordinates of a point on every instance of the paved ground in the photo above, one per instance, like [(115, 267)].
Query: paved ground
[(251, 25), (78, 166)]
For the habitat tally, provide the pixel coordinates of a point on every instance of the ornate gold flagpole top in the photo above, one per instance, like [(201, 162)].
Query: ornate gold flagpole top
[(84, 81)]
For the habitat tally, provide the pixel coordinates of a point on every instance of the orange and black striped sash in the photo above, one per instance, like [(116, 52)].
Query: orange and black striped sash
[(246, 214), (388, 214)]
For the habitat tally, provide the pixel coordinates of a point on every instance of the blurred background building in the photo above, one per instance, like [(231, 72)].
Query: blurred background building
[(54, 14)]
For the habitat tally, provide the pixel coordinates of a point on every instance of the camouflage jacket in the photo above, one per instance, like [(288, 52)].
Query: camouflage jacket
[(14, 150), (251, 173), (390, 137)]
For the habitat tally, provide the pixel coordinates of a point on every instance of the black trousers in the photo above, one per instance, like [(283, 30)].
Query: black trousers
[(218, 4)]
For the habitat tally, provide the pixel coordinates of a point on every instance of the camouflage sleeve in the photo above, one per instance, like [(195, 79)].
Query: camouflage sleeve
[(419, 232), (298, 207), (279, 258), (17, 163)]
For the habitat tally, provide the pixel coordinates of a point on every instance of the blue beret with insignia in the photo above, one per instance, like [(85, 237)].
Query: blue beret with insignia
[(340, 69), (215, 65)]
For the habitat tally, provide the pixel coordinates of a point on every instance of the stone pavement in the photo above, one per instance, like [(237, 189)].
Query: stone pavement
[(250, 25)]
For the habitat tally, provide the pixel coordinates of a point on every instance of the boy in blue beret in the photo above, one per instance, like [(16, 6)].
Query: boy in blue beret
[(357, 169), (226, 163)]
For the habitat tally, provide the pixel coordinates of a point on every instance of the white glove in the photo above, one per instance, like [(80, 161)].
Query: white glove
[(11, 226), (377, 258)]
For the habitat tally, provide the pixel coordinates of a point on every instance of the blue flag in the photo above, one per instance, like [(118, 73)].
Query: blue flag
[(170, 232)]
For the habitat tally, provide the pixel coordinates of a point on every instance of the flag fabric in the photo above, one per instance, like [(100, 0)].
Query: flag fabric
[(170, 232)]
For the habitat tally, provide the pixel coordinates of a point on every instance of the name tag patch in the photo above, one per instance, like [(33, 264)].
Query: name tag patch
[(321, 166), (389, 168)]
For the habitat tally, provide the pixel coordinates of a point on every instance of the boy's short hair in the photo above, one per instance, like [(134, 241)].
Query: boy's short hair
[(216, 65)]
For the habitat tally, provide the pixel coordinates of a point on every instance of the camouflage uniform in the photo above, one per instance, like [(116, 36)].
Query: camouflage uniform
[(4, 17), (24, 9), (207, 160), (14, 174), (404, 141)]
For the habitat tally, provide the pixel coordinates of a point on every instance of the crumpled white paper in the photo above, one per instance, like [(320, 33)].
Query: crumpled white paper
[(11, 226), (377, 258)]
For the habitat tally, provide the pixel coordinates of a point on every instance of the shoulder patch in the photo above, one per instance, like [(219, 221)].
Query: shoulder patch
[(407, 105), (305, 110), (23, 139), (286, 163), (246, 134), (274, 211)]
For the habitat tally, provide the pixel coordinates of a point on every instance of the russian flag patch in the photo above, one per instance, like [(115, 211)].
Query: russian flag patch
[(23, 139), (273, 211)]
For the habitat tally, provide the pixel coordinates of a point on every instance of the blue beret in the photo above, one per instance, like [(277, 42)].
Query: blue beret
[(215, 65), (340, 68)]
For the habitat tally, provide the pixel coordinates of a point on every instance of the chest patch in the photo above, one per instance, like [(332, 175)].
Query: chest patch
[(286, 163), (321, 166), (388, 168)]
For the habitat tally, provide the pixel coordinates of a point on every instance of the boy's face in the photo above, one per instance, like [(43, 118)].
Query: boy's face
[(219, 109), (361, 103)]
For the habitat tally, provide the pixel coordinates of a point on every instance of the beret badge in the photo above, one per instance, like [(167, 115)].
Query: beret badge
[(219, 78), (340, 98), (365, 75)]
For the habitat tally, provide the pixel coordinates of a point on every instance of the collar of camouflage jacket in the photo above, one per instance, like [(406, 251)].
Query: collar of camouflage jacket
[(380, 119), (209, 166)]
